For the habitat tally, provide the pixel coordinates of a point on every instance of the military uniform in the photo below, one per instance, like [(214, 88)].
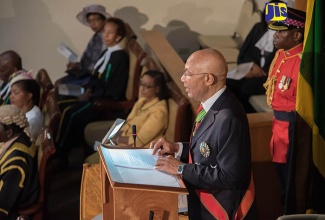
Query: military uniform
[(282, 83), (281, 89)]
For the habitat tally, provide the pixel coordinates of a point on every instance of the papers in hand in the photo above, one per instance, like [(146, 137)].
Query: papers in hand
[(67, 53), (70, 89), (240, 71)]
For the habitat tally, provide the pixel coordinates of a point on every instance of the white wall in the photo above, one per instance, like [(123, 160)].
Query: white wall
[(34, 28)]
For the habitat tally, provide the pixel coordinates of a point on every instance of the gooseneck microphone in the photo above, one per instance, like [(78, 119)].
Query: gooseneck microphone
[(134, 134)]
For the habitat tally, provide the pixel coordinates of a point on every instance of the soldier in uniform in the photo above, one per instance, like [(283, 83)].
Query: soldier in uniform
[(281, 87)]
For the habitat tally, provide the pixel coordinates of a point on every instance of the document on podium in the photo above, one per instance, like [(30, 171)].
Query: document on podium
[(136, 166)]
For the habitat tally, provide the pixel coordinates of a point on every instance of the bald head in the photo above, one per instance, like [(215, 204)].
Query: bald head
[(210, 61), (205, 73), (10, 62)]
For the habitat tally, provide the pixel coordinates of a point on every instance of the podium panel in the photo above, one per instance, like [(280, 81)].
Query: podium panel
[(133, 203), (136, 201)]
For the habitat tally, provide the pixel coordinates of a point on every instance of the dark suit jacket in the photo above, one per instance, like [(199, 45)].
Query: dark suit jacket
[(226, 172)]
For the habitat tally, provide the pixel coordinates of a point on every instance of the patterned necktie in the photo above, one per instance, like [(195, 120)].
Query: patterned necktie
[(200, 115)]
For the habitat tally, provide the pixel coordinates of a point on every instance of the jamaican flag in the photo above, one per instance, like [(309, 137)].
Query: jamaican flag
[(306, 182)]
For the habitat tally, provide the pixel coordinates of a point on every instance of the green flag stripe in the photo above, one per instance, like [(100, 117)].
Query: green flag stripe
[(312, 67)]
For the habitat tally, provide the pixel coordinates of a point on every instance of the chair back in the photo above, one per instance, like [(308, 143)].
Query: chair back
[(45, 84), (52, 113), (129, 36), (137, 55), (179, 118), (150, 64), (45, 152)]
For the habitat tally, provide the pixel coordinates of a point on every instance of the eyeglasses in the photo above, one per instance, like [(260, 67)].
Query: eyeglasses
[(146, 86), (186, 73)]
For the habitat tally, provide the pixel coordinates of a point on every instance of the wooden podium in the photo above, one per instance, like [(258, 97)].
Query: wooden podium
[(134, 201)]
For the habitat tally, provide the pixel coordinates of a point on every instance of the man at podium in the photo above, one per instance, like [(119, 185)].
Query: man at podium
[(216, 164)]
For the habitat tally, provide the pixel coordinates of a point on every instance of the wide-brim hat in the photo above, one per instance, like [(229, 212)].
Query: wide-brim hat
[(99, 9), (295, 19)]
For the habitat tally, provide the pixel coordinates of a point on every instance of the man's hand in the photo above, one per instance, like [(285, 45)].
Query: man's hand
[(165, 147), (168, 164), (256, 71), (72, 66), (85, 97)]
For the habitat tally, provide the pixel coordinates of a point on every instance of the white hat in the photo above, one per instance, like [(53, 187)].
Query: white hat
[(99, 9), (21, 75)]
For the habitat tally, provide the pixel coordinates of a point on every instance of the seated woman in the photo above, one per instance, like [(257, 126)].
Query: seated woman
[(109, 81), (18, 175), (25, 94), (149, 114)]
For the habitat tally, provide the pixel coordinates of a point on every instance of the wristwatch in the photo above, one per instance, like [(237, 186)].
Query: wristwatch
[(180, 168)]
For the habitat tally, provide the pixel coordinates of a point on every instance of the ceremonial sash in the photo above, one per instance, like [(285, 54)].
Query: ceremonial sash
[(210, 202)]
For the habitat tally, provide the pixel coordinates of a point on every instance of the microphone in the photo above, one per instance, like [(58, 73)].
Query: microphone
[(134, 134)]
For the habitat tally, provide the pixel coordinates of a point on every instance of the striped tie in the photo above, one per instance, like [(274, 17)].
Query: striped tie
[(200, 115)]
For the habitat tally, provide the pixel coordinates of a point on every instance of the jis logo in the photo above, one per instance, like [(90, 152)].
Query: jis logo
[(275, 11)]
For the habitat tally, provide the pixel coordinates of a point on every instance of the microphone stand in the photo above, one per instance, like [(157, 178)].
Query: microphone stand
[(134, 134)]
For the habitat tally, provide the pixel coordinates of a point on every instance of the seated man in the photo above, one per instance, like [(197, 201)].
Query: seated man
[(10, 62), (93, 16), (259, 49)]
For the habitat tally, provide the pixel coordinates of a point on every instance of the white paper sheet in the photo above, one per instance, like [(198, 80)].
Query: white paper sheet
[(136, 166), (70, 89), (240, 71), (67, 52), (137, 159)]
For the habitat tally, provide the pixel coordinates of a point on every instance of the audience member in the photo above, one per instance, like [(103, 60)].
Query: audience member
[(149, 115), (25, 94), (281, 86), (259, 49), (18, 175), (93, 16), (108, 81), (216, 164), (10, 62)]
